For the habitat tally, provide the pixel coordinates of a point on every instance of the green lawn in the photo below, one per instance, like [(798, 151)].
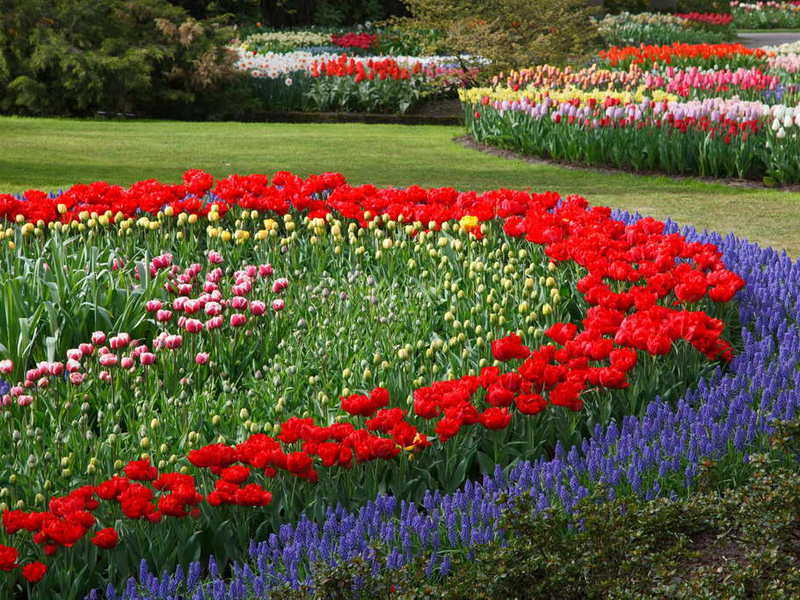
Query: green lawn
[(54, 153)]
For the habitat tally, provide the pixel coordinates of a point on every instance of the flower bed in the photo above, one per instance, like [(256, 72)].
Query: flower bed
[(654, 455), (375, 40), (731, 56), (655, 28), (319, 71), (766, 15), (303, 80), (678, 109), (198, 332)]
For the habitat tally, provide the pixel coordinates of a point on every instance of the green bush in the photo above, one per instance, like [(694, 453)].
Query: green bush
[(78, 57), (244, 11), (631, 6), (704, 6), (681, 6), (337, 13), (511, 33)]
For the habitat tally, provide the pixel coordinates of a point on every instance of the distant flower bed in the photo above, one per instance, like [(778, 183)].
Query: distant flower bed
[(766, 15), (656, 28), (305, 70), (302, 80), (715, 110)]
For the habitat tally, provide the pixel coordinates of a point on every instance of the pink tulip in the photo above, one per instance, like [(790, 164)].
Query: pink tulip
[(213, 309), (105, 376), (6, 366), (265, 270), (215, 275), (280, 284), (5, 400), (73, 365), (238, 302), (108, 360), (177, 303), (163, 315), (209, 287), (119, 341), (126, 362), (251, 270), (25, 400), (163, 261), (74, 354), (191, 306), (238, 319), (147, 358), (257, 308), (215, 322), (214, 257), (173, 342), (76, 378), (185, 289), (152, 305), (56, 368), (43, 382), (86, 349), (16, 391), (98, 338), (278, 304), (201, 358), (193, 325)]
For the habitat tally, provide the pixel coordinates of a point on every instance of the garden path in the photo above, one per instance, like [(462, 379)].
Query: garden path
[(768, 38)]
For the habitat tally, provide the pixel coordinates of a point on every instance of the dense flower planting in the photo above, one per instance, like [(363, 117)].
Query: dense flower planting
[(291, 81), (281, 41), (285, 70), (697, 27), (714, 19), (669, 83), (658, 108), (657, 455), (656, 28), (682, 55), (766, 15), (366, 86), (628, 294)]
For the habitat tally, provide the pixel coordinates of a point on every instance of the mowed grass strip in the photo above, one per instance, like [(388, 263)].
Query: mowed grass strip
[(52, 154)]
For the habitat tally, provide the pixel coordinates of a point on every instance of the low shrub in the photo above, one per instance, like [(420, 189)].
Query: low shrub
[(725, 540), (510, 33)]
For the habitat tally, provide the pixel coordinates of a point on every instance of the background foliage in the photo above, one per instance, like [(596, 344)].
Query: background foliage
[(78, 57), (511, 33), (680, 6)]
